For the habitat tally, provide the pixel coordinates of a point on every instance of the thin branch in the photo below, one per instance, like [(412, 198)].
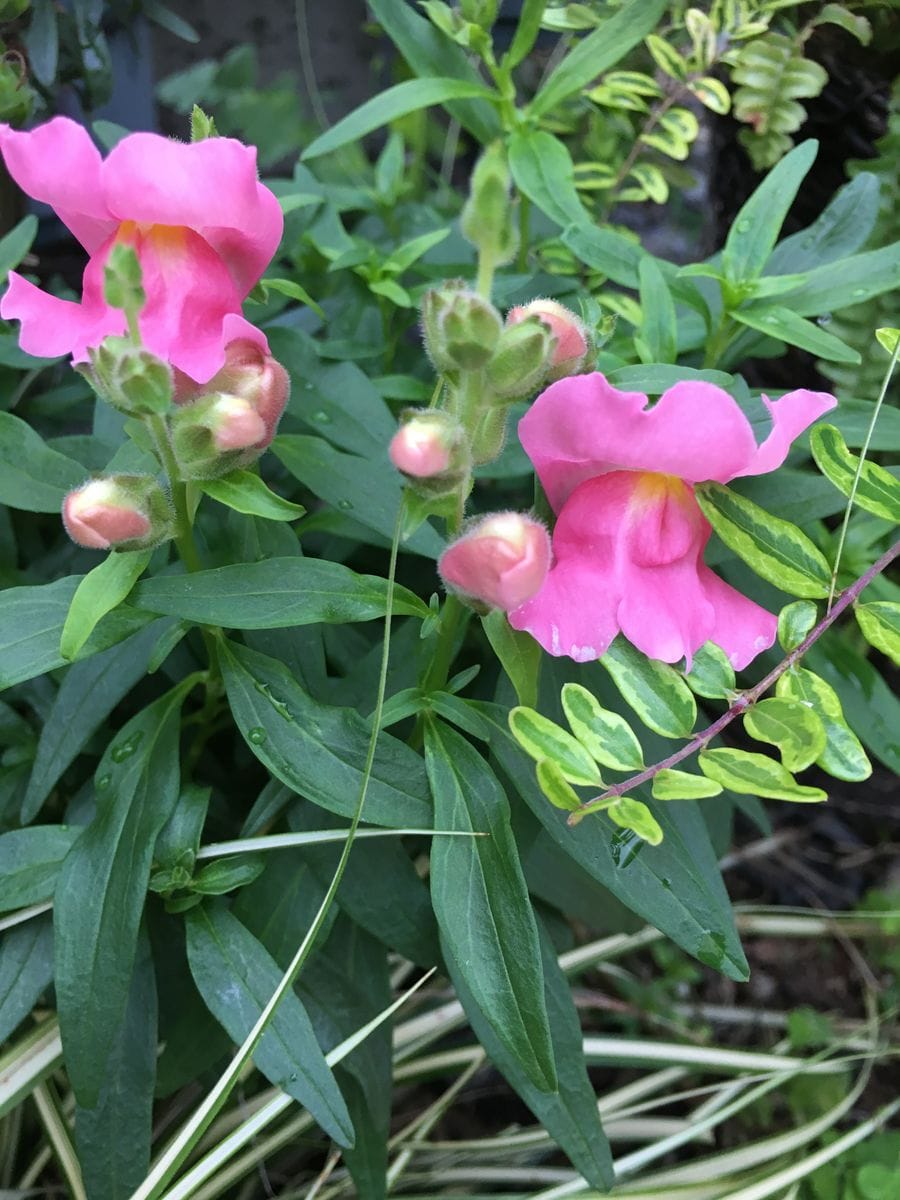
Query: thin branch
[(745, 699)]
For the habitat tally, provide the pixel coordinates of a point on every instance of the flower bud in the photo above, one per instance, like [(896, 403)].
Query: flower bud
[(432, 450), (251, 373), (216, 434), (125, 512), (487, 216), (500, 562), (461, 328), (522, 360), (129, 377), (481, 12), (572, 343)]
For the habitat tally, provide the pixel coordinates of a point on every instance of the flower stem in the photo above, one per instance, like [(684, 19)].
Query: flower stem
[(745, 699)]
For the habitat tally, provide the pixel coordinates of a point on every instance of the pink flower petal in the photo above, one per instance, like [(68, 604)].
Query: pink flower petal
[(58, 164), (209, 186), (791, 415), (742, 628), (51, 327)]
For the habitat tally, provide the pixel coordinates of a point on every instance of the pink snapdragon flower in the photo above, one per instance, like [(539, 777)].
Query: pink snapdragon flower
[(203, 227), (629, 538)]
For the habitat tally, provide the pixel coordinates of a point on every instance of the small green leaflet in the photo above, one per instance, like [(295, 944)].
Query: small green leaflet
[(791, 726), (795, 621), (669, 784), (100, 591), (634, 815), (880, 624), (711, 674), (775, 549), (655, 691), (246, 493), (542, 738), (518, 652), (605, 735), (556, 787), (877, 491), (843, 756), (753, 774), (289, 287)]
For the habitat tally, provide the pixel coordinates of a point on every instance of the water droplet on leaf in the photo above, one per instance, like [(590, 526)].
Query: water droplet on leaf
[(625, 847), (257, 735), (345, 504)]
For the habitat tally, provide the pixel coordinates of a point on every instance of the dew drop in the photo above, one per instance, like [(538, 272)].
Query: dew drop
[(744, 226), (711, 950), (345, 504), (860, 291), (322, 417), (824, 319), (625, 847), (279, 705), (103, 782), (125, 749), (257, 735), (307, 387)]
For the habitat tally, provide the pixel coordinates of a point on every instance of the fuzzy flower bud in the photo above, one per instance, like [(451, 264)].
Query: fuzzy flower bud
[(487, 216), (129, 377), (572, 345), (251, 373), (500, 562), (431, 449), (522, 360), (216, 434), (461, 328), (125, 512)]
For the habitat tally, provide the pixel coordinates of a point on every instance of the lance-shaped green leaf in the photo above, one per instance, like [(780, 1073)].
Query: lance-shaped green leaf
[(317, 750), (543, 171), (30, 860), (880, 623), (847, 281), (597, 52), (711, 674), (791, 726), (754, 230), (843, 756), (842, 228), (658, 340), (33, 477), (877, 492), (481, 902), (795, 621), (635, 815), (783, 323), (605, 735), (543, 738), (752, 774), (775, 549), (275, 593), (655, 691), (103, 885), (247, 493), (570, 1114), (394, 102), (556, 787), (617, 256), (518, 652), (99, 592), (669, 784), (527, 30), (236, 976), (26, 970)]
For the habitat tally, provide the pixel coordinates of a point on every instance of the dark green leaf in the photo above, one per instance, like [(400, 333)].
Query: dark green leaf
[(481, 902), (99, 592), (542, 169), (32, 476), (849, 281), (784, 324), (16, 244), (842, 228), (526, 33), (101, 889), (317, 750), (274, 594), (755, 228), (42, 41), (30, 860), (247, 493), (659, 329), (775, 549), (388, 105), (617, 256), (518, 652), (237, 977), (26, 970)]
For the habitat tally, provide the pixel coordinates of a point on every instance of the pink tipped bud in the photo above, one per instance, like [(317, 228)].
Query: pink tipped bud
[(235, 424), (572, 343), (421, 448), (126, 512), (500, 562), (250, 373)]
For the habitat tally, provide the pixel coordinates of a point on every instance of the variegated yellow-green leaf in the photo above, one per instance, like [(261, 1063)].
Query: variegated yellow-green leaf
[(633, 81), (877, 492), (880, 623), (669, 784), (543, 738), (794, 623), (668, 142), (655, 691), (712, 94), (711, 674), (632, 814), (654, 183), (843, 756), (755, 775), (888, 338), (666, 57), (556, 787), (680, 122), (791, 726), (775, 549), (605, 735)]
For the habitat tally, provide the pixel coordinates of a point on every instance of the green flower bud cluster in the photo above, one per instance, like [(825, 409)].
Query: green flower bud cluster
[(487, 219), (130, 378)]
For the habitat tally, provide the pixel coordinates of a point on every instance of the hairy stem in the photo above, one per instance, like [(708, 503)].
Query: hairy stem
[(745, 699)]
